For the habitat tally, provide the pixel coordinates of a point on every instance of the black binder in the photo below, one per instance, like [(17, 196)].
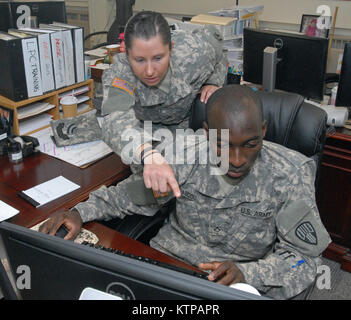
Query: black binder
[(13, 78), (20, 67)]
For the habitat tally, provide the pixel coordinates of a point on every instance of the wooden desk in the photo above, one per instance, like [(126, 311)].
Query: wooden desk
[(41, 167), (334, 196)]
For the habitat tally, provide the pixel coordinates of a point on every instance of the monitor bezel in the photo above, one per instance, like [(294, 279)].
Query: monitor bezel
[(193, 287)]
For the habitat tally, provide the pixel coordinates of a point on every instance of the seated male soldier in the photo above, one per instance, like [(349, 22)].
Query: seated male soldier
[(257, 223)]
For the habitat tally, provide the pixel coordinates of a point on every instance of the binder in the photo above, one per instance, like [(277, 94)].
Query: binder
[(68, 55), (20, 75), (45, 54), (57, 56), (78, 46)]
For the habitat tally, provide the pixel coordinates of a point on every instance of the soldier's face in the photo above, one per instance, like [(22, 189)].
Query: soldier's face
[(149, 60), (246, 135)]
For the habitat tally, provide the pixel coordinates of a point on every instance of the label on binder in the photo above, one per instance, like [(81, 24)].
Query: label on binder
[(32, 67)]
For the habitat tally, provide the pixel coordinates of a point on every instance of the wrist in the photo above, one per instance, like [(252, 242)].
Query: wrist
[(152, 157)]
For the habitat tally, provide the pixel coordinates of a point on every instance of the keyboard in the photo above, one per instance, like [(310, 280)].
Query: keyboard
[(148, 260)]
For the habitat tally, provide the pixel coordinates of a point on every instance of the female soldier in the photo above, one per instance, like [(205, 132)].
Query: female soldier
[(157, 80)]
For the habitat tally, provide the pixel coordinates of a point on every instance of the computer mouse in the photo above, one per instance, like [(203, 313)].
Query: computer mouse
[(62, 231)]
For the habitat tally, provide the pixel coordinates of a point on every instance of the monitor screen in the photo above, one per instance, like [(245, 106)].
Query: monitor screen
[(343, 96), (5, 21), (62, 269), (301, 63), (44, 11)]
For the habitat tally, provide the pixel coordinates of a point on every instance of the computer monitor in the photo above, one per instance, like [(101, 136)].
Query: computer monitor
[(301, 60), (61, 269), (343, 96), (44, 11), (5, 21)]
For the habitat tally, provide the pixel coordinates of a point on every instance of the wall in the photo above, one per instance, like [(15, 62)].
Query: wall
[(281, 11)]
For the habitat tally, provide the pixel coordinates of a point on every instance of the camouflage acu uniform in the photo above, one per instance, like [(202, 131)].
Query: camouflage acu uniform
[(267, 223), (197, 59)]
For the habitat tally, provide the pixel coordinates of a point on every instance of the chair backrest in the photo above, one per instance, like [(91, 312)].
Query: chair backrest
[(290, 122)]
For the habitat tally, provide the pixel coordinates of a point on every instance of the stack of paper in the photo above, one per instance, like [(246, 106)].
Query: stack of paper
[(79, 154), (239, 12), (31, 124), (33, 109), (75, 92)]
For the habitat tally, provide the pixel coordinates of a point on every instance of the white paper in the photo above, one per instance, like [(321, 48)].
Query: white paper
[(34, 123), (99, 52), (6, 211), (51, 190), (94, 294), (33, 109), (78, 154)]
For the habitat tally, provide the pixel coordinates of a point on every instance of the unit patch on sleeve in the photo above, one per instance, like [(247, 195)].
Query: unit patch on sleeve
[(306, 233), (123, 85)]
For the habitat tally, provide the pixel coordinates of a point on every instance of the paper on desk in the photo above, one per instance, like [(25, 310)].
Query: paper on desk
[(6, 211), (98, 52), (50, 190), (78, 155), (102, 66)]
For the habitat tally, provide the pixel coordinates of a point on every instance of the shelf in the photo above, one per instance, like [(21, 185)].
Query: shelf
[(51, 98)]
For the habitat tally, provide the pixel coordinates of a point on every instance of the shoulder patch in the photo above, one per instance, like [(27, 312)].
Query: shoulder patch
[(306, 233), (123, 85)]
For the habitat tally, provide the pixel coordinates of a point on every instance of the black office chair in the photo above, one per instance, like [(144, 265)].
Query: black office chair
[(124, 10)]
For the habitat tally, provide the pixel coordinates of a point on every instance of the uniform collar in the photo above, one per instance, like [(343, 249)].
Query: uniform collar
[(172, 88), (248, 189)]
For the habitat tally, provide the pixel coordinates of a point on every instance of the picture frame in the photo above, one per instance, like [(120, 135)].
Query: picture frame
[(309, 25)]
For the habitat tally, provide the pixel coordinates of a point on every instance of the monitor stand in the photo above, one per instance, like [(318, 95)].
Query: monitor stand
[(270, 60)]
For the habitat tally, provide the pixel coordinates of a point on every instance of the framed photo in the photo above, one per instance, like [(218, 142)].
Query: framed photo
[(309, 25)]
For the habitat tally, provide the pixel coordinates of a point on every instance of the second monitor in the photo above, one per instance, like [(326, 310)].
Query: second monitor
[(301, 60)]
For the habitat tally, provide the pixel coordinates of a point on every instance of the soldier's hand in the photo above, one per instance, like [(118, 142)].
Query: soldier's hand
[(71, 219), (159, 175), (225, 272), (207, 91)]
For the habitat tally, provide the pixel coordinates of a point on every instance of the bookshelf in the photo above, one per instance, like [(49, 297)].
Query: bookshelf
[(53, 98)]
